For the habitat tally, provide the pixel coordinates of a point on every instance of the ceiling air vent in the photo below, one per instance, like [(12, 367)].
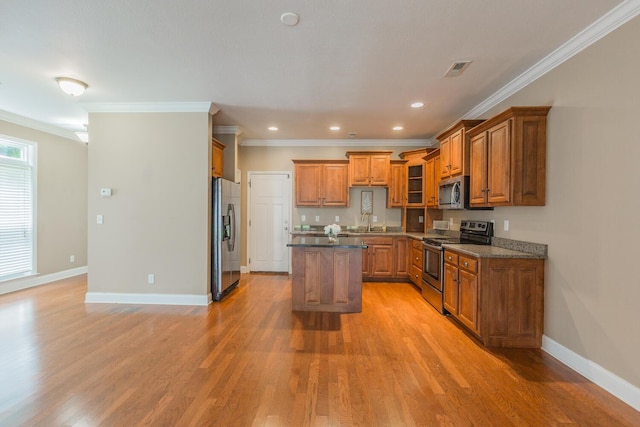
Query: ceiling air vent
[(457, 68)]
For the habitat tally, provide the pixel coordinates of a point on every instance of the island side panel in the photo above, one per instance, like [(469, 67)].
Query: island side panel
[(326, 279)]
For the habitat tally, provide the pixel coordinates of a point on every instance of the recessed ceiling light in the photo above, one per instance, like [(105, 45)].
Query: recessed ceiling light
[(71, 86), (335, 128), (417, 105), (273, 128), (398, 128), (290, 19)]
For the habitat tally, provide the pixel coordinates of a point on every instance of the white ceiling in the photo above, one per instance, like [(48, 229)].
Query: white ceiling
[(353, 63)]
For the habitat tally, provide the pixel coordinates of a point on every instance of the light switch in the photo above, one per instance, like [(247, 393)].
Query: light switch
[(506, 225), (317, 218), (105, 192), (420, 219), (303, 218), (374, 218), (99, 219), (337, 218)]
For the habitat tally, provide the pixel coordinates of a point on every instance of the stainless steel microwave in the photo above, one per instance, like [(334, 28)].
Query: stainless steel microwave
[(453, 193)]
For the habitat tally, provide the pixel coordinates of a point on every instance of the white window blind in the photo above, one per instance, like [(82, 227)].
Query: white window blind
[(16, 209)]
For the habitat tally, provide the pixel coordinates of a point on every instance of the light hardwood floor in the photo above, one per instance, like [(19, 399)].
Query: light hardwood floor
[(251, 361)]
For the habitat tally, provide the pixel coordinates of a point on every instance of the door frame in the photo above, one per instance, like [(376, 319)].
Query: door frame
[(249, 240)]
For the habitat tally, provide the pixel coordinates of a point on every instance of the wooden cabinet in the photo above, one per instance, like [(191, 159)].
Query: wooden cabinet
[(326, 279), (216, 158), (415, 188), (397, 182), (415, 267), (369, 168), (400, 257), (321, 183), (454, 149), (380, 257), (508, 159), (500, 300), (432, 178), (385, 257), (461, 288)]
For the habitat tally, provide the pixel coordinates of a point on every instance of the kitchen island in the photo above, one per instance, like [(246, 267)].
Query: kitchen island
[(327, 276)]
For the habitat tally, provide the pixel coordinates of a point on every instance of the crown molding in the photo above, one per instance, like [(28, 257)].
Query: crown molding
[(615, 18), (37, 125), (228, 130), (338, 142), (151, 107)]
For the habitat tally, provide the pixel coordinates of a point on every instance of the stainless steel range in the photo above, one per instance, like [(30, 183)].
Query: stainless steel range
[(471, 232)]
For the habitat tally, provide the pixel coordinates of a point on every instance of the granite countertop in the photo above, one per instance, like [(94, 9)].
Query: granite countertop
[(323, 242), (487, 251)]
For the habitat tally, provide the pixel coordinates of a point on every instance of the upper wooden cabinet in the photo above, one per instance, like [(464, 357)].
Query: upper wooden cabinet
[(369, 168), (454, 149), (415, 197), (216, 158), (322, 183), (508, 159), (397, 183), (432, 177)]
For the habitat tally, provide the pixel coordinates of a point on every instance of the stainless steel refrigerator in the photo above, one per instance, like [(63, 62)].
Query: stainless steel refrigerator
[(225, 253)]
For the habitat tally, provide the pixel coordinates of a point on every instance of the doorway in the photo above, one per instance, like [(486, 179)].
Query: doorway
[(269, 221)]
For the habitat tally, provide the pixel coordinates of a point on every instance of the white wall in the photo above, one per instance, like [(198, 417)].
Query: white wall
[(61, 199), (157, 220)]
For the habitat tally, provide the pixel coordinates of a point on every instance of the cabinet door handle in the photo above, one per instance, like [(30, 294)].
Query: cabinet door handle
[(449, 258), (466, 264)]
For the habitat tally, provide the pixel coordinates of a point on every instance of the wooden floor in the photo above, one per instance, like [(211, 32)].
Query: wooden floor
[(250, 361)]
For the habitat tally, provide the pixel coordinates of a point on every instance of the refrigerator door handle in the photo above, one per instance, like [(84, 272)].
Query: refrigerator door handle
[(231, 211)]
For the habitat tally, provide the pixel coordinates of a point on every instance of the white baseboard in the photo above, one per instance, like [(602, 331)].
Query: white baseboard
[(37, 280), (595, 373), (159, 299)]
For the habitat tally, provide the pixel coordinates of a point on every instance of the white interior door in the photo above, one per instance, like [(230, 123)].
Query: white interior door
[(269, 220)]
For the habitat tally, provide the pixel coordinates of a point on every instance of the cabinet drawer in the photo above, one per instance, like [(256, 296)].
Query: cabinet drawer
[(450, 257), (469, 264), (378, 240), (416, 275), (416, 257), (416, 244)]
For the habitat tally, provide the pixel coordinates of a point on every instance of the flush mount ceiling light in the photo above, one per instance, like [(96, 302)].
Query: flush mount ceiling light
[(457, 68), (335, 128), (290, 19), (71, 86), (274, 128), (398, 128), (417, 105)]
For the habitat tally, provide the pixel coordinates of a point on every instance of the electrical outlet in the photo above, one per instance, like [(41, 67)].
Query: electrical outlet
[(374, 218), (337, 218), (506, 225), (151, 279), (99, 219), (420, 219), (303, 218), (72, 258), (317, 218)]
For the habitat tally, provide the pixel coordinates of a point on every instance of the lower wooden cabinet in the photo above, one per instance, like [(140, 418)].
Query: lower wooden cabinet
[(326, 279), (500, 300), (385, 258), (415, 269)]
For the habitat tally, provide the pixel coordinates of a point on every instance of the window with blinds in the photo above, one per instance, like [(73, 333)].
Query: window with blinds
[(17, 225)]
